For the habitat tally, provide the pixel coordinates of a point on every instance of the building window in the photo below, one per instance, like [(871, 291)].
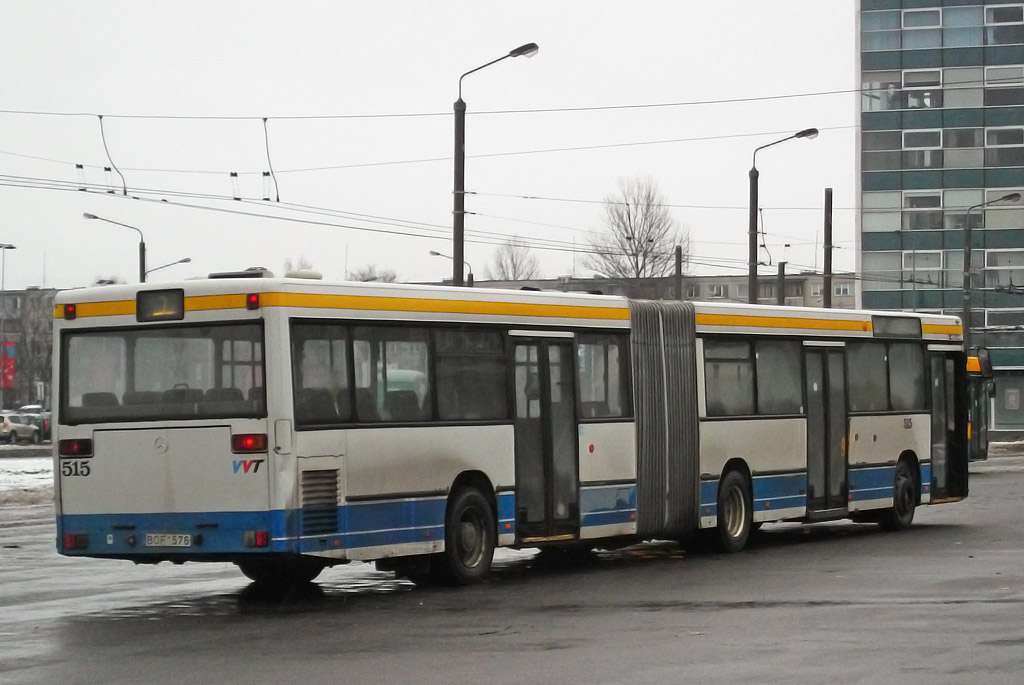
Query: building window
[(922, 89), (1004, 25), (880, 30), (816, 289), (963, 86), (842, 289), (1004, 146), (693, 291), (1004, 268), (718, 290), (880, 91), (963, 137), (922, 269), (962, 27), (766, 290)]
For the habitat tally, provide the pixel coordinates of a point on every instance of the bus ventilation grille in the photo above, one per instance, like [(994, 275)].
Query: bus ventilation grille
[(320, 502)]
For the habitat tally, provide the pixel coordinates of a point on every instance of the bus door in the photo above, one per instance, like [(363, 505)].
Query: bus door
[(547, 480), (826, 429), (949, 424)]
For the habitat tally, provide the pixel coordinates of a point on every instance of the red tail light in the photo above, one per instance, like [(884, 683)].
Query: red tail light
[(252, 301), (256, 538), (76, 540), (249, 442), (75, 448), (69, 312)]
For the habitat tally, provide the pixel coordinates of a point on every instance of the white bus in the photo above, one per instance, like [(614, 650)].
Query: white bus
[(289, 424)]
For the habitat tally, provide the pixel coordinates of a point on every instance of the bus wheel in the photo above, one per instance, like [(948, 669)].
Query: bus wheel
[(904, 499), (734, 513), (280, 572), (469, 539)]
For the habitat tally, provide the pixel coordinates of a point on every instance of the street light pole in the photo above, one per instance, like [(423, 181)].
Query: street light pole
[(459, 191), (965, 315), (808, 133), (469, 280), (142, 242), (4, 247), (183, 260)]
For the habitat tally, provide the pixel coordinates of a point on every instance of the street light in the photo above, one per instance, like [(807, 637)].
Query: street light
[(965, 316), (4, 247), (469, 280), (459, 192), (808, 133), (183, 260), (142, 242)]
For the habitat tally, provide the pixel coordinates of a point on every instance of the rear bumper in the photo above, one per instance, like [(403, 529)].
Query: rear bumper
[(214, 535)]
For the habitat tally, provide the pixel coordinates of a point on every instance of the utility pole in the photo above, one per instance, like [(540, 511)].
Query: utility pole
[(780, 285), (827, 285), (679, 272)]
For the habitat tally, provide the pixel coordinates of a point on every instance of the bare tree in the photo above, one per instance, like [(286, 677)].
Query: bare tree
[(640, 234), (371, 272), (300, 264), (513, 261), (35, 344)]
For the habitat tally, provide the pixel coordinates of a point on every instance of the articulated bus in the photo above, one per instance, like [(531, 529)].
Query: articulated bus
[(980, 391), (290, 424)]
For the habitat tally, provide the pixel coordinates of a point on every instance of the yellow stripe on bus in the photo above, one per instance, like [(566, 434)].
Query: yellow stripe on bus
[(366, 303), (112, 308), (782, 322), (811, 324), (415, 304)]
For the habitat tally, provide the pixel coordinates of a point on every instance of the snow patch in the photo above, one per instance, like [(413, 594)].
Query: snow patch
[(23, 496)]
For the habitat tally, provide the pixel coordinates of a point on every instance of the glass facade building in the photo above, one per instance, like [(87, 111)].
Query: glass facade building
[(942, 132)]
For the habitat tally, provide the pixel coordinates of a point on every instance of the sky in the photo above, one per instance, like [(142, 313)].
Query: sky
[(358, 98)]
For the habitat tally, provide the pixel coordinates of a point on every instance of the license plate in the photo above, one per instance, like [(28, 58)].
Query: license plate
[(168, 540)]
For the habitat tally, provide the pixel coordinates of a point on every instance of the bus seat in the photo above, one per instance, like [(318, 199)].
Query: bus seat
[(256, 393), (403, 405), (224, 401), (181, 400), (343, 401), (99, 399), (366, 405), (141, 397), (223, 395), (592, 410), (315, 405)]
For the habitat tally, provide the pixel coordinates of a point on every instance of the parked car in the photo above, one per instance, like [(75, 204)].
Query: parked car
[(16, 427), (37, 416)]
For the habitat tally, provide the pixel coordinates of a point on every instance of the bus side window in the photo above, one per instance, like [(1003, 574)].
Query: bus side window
[(366, 405), (315, 406)]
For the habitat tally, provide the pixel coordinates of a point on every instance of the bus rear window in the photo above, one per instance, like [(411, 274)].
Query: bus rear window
[(163, 373)]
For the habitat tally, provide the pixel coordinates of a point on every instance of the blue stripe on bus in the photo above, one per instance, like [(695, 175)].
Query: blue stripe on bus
[(361, 524), (782, 491), (602, 505), (709, 497), (874, 482)]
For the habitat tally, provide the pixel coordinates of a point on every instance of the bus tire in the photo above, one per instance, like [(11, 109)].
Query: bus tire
[(469, 540), (735, 517), (904, 499), (280, 572)]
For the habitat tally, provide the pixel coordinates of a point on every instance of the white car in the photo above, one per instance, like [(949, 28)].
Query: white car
[(16, 427)]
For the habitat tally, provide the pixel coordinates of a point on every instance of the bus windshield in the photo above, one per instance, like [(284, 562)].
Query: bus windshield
[(151, 373)]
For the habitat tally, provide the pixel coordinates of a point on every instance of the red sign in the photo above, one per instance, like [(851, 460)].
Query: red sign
[(8, 360)]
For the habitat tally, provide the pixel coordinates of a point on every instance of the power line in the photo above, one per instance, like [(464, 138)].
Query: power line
[(532, 110)]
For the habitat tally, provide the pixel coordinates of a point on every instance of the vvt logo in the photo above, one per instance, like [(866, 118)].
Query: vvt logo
[(247, 465)]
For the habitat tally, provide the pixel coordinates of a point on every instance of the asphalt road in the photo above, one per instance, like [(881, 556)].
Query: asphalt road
[(942, 603)]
